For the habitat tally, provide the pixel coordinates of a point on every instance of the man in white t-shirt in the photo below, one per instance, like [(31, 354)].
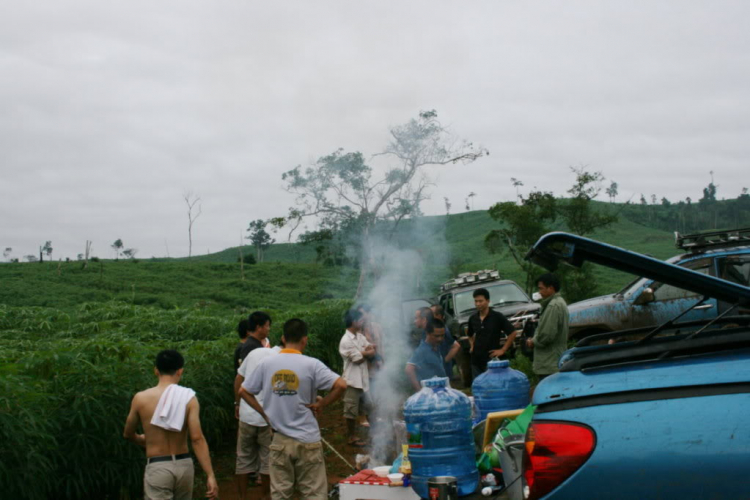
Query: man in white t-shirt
[(288, 384), (253, 436), (355, 350)]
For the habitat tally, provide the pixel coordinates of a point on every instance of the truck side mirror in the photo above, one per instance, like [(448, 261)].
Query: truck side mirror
[(646, 297)]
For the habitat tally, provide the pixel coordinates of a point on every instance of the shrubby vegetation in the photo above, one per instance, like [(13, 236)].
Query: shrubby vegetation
[(68, 376)]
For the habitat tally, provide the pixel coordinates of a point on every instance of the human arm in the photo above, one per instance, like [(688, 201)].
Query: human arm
[(348, 349), (470, 334), (200, 447), (453, 352), (502, 325), (131, 424), (507, 345), (411, 373), (238, 380), (549, 326), (254, 404), (337, 390)]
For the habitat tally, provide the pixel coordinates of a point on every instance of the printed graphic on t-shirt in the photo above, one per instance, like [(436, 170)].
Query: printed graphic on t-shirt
[(285, 383)]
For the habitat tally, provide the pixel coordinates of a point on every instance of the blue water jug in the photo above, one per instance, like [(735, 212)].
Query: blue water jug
[(500, 388), (438, 425)]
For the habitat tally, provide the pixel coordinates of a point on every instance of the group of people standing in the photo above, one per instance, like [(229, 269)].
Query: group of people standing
[(490, 335), (279, 443)]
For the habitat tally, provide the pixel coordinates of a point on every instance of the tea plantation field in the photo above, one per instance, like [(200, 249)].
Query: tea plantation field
[(67, 377)]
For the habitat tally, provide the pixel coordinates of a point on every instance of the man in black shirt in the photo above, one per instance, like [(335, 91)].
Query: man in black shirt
[(259, 325), (485, 332)]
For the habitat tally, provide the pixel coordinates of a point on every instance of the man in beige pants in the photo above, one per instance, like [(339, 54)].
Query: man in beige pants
[(169, 470), (289, 383)]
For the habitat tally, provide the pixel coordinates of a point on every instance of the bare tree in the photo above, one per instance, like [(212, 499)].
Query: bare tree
[(7, 252), (516, 184), (88, 253), (191, 200)]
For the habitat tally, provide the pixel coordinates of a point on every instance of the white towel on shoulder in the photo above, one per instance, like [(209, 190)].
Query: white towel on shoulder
[(170, 412)]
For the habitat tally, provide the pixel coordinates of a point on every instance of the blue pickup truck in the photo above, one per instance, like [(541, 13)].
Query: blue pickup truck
[(663, 412)]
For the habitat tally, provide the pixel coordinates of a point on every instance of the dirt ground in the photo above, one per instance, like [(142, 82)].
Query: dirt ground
[(333, 429)]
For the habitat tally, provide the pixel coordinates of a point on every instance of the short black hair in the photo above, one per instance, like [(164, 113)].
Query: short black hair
[(364, 307), (242, 328), (256, 319), (294, 331), (437, 323), (549, 279), (437, 310), (426, 312), (352, 316), (481, 291), (169, 361)]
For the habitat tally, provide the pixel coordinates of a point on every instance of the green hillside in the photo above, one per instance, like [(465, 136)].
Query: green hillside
[(270, 286), (460, 240), (289, 276)]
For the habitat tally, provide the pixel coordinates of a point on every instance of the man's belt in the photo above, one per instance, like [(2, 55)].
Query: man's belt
[(167, 458)]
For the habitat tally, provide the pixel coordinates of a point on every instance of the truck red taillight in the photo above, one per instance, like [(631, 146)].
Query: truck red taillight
[(554, 451)]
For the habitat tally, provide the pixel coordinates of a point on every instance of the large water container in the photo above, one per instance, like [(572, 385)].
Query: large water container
[(500, 388), (438, 425)]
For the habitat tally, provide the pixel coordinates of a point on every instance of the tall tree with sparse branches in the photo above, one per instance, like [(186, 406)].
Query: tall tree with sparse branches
[(340, 190), (191, 200)]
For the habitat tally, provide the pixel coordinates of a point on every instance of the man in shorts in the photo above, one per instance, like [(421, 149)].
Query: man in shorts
[(169, 467), (289, 383), (355, 350), (253, 435)]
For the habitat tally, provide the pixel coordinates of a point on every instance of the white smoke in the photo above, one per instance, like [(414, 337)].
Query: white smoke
[(400, 272)]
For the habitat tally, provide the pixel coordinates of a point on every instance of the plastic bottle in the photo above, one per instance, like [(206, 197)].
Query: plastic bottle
[(438, 423), (405, 467), (500, 388)]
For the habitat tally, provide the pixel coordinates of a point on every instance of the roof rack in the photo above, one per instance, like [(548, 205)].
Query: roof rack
[(470, 278), (699, 241)]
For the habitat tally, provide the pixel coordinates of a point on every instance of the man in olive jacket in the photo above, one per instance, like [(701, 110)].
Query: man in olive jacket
[(551, 336)]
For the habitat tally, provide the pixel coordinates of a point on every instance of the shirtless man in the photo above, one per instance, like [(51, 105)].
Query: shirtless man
[(169, 469)]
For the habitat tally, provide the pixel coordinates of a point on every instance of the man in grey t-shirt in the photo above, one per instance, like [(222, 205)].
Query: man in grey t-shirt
[(289, 383)]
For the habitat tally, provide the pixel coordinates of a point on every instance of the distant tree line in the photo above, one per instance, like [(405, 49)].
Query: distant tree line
[(687, 215)]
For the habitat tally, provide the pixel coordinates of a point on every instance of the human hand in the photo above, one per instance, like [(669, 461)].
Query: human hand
[(497, 353), (315, 407), (212, 487), (237, 412), (529, 343)]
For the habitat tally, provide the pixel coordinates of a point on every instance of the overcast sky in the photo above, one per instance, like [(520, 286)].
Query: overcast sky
[(110, 111)]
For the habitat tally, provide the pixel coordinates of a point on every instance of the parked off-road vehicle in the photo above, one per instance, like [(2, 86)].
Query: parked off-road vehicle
[(646, 302)]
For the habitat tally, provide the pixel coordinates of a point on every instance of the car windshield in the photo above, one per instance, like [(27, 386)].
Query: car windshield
[(506, 293)]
